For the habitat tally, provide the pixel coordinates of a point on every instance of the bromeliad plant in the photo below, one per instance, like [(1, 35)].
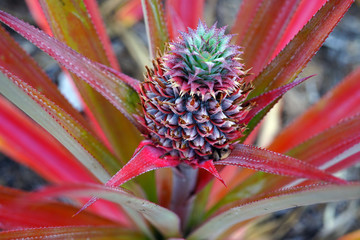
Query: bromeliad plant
[(205, 92)]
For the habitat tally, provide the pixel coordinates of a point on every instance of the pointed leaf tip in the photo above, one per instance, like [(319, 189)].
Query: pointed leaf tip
[(146, 159), (210, 167)]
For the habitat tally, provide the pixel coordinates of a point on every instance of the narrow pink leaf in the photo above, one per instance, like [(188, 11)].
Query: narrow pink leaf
[(341, 102), (75, 137), (148, 158), (332, 150), (174, 22), (17, 210), (209, 166), (304, 12), (94, 13), (38, 15), (164, 220), (155, 25), (31, 145), (73, 232), (72, 22), (293, 58), (328, 145), (265, 99), (132, 82), (244, 18), (118, 93), (271, 162), (264, 31), (182, 14)]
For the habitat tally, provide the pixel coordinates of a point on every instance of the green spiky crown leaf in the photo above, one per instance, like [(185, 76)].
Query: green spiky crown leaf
[(192, 97)]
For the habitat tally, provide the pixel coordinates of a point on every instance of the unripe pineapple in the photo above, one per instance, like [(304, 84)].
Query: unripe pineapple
[(192, 97)]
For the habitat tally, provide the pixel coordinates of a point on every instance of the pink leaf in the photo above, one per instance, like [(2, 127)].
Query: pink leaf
[(182, 14), (73, 232), (260, 25), (304, 12), (327, 146), (38, 14), (148, 158), (267, 98), (237, 213), (145, 159), (209, 166), (96, 18), (13, 56), (292, 59), (166, 221), (112, 88), (18, 210), (155, 25), (333, 107), (271, 162), (31, 145)]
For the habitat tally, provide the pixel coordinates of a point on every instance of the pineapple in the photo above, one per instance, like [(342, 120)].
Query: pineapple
[(193, 96)]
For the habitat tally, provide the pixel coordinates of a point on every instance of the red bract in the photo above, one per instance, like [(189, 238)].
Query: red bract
[(196, 107)]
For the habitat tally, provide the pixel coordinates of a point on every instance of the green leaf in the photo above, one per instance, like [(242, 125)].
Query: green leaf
[(12, 56), (64, 128), (156, 29), (280, 200), (26, 142), (332, 150), (164, 220), (71, 23)]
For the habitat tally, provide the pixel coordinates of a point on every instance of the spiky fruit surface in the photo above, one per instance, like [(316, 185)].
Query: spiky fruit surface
[(193, 96)]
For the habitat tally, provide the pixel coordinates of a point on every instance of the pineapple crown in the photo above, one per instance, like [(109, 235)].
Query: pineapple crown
[(193, 96), (202, 61)]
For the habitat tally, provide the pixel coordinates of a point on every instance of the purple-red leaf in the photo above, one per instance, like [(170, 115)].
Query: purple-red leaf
[(13, 56), (304, 12), (328, 147), (77, 23), (341, 102), (75, 137), (265, 99), (155, 25), (95, 16), (25, 141), (119, 94), (182, 14), (259, 27), (73, 232), (271, 162), (17, 210), (145, 159), (209, 166), (293, 58)]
